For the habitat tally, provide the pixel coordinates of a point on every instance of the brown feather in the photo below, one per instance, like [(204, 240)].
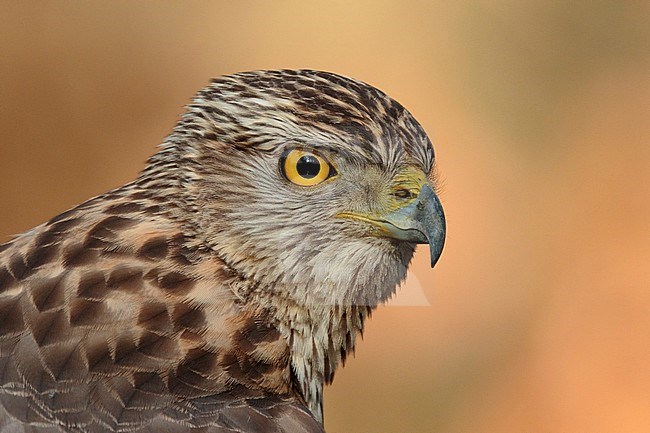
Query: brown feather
[(101, 333)]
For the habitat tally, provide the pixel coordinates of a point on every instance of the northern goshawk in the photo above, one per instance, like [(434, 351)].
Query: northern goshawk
[(220, 290)]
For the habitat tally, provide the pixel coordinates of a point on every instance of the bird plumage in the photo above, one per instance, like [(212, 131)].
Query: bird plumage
[(211, 293)]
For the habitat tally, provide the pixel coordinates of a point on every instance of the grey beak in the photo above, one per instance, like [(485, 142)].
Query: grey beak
[(422, 222)]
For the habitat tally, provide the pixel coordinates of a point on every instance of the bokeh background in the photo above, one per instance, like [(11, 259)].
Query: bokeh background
[(537, 318)]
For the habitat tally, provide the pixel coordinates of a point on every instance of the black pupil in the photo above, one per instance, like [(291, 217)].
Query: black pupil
[(308, 166)]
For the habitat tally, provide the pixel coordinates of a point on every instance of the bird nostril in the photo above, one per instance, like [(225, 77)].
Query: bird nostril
[(403, 193)]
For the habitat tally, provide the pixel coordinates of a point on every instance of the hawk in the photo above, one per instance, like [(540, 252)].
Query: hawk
[(221, 289)]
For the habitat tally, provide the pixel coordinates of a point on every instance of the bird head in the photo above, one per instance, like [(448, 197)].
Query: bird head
[(309, 183)]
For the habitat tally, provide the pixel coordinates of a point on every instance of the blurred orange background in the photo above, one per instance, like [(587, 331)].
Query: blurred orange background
[(539, 309)]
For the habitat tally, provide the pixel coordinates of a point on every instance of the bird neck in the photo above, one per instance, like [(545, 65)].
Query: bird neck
[(320, 337)]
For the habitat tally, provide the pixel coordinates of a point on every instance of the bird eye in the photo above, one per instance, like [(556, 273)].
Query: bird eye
[(305, 168)]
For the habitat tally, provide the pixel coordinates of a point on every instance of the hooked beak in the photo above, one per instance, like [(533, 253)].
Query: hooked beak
[(421, 221)]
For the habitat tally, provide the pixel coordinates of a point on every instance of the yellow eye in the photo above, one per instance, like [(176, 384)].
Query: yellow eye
[(305, 168)]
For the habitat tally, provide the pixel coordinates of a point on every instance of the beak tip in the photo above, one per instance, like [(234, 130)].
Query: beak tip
[(435, 255)]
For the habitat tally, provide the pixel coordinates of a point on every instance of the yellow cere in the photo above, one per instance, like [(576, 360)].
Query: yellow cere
[(305, 168)]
